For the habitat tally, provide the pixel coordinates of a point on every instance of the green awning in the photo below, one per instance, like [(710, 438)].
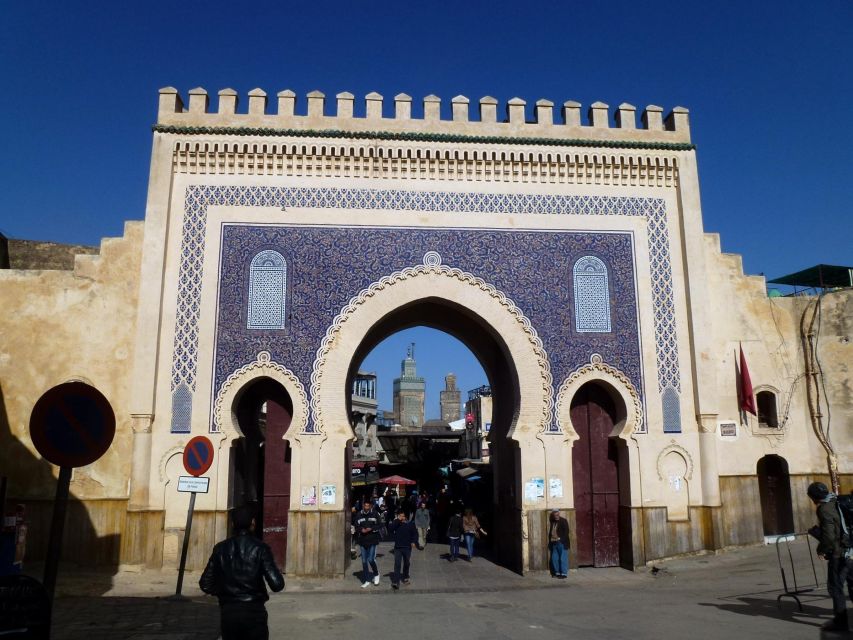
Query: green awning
[(821, 276)]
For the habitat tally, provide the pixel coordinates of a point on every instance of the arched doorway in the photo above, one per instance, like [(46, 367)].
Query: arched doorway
[(261, 458), (502, 515), (599, 486), (774, 488)]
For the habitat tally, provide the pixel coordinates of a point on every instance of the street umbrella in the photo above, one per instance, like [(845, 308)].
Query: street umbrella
[(397, 481)]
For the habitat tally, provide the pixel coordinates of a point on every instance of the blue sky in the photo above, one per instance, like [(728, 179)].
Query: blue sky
[(436, 355), (768, 85)]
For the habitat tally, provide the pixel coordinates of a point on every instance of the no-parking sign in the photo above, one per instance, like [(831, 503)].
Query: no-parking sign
[(198, 455)]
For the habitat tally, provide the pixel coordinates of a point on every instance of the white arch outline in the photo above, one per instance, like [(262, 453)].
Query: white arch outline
[(431, 279), (599, 370), (224, 418)]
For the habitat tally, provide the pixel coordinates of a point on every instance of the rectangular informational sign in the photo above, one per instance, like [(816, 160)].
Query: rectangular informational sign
[(728, 429), (191, 484)]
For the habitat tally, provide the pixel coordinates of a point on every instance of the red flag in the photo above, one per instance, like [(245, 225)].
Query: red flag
[(747, 398)]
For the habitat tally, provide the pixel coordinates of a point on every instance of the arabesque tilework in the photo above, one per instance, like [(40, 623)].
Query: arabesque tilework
[(533, 268), (456, 248), (592, 295)]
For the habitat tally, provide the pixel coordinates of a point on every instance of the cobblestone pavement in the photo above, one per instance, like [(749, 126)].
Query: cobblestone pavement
[(729, 596)]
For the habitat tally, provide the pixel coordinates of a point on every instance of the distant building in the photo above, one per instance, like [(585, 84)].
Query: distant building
[(450, 399), (478, 423), (384, 419), (409, 393), (366, 446)]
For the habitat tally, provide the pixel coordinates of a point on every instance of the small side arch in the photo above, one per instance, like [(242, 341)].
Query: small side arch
[(617, 383), (224, 416)]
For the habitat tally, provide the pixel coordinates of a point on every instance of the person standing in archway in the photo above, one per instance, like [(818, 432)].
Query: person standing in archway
[(558, 544), (235, 574), (422, 522), (454, 534), (404, 537), (471, 529), (367, 526)]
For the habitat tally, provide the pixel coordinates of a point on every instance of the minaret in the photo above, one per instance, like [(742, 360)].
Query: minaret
[(409, 393), (451, 399)]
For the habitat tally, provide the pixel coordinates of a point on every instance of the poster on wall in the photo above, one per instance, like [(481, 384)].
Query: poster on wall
[(555, 488), (327, 494), (309, 495), (534, 489)]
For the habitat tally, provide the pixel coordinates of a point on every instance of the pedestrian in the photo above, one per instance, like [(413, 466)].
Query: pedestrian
[(367, 525), (404, 536), (236, 573), (422, 522), (830, 548), (471, 529), (558, 544), (454, 534)]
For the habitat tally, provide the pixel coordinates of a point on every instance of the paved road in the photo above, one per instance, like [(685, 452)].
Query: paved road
[(727, 596)]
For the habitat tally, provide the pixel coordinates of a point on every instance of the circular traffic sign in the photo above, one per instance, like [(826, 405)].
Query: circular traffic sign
[(198, 455), (72, 425)]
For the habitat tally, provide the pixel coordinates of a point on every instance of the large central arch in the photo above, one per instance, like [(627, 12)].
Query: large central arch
[(481, 300), (506, 343)]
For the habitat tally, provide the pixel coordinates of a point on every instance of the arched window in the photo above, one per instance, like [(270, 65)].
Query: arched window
[(766, 405), (592, 296), (267, 287)]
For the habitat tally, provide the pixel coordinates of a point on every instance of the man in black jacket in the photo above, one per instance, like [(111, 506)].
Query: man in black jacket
[(405, 536), (235, 574), (558, 544), (367, 526), (831, 549)]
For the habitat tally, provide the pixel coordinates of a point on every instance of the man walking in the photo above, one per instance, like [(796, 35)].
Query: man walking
[(422, 522), (367, 526), (558, 544), (830, 548), (235, 574), (404, 536)]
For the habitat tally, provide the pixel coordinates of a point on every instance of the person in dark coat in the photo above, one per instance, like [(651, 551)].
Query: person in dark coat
[(367, 526), (455, 529), (558, 544), (831, 549), (235, 573), (404, 536)]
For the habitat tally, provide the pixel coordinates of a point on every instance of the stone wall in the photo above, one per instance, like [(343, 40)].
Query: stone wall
[(64, 325), (33, 254)]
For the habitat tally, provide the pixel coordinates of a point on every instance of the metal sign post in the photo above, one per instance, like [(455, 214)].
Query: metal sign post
[(198, 456), (72, 425)]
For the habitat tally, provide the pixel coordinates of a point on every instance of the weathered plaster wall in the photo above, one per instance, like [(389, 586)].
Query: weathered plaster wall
[(769, 330), (62, 325)]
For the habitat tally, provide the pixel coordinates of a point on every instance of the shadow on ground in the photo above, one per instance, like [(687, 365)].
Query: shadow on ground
[(788, 611), (103, 618)]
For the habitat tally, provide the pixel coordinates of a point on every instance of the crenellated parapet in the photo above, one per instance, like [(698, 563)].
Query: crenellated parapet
[(616, 128)]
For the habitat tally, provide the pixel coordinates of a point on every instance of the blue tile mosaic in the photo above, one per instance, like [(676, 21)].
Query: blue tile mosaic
[(532, 268), (267, 289), (592, 296), (182, 409), (199, 197)]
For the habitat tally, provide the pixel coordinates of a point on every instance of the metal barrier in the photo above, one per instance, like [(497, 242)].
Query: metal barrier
[(794, 593)]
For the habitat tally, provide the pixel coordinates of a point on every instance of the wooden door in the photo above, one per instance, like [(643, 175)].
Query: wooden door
[(596, 479), (774, 488), (276, 477)]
